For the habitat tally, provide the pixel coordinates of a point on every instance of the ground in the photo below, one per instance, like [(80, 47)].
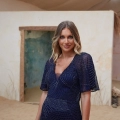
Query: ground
[(14, 110)]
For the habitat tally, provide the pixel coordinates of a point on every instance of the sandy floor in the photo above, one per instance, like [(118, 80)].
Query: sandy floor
[(32, 95), (13, 110)]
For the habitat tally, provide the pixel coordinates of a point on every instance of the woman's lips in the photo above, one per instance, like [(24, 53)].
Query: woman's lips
[(66, 46)]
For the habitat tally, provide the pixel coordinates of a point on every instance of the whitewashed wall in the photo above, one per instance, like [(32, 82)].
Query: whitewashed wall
[(96, 31)]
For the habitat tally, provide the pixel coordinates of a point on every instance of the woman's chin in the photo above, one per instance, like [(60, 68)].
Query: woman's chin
[(67, 50)]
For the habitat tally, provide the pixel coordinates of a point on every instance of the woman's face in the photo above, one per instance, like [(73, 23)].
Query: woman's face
[(66, 41)]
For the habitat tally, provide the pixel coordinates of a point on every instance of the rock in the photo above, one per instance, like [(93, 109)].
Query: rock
[(114, 105)]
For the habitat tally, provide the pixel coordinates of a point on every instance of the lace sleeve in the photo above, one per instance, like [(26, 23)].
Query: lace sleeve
[(88, 79)]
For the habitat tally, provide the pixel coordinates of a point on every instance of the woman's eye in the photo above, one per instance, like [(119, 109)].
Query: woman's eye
[(61, 37), (70, 37)]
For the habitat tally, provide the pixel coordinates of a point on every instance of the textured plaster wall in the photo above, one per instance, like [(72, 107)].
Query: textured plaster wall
[(96, 31), (38, 49)]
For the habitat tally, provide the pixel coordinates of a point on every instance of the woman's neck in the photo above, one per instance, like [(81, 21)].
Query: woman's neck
[(67, 54)]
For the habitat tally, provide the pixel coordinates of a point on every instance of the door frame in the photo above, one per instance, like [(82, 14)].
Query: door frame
[(22, 30)]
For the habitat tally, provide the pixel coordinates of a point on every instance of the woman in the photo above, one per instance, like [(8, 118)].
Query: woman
[(69, 76)]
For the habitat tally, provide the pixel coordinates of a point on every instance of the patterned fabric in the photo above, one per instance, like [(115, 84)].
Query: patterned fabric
[(64, 92)]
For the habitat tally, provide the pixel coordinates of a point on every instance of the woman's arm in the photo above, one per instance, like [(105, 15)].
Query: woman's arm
[(85, 104), (42, 99)]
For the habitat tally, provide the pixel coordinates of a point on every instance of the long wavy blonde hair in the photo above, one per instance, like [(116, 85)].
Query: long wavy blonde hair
[(56, 50)]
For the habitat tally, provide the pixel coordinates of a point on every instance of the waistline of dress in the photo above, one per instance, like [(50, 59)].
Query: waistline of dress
[(62, 100)]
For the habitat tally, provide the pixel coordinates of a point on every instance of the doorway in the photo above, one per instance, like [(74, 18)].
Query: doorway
[(35, 51)]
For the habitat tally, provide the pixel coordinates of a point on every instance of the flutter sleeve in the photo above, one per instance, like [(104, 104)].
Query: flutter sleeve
[(88, 80), (44, 85)]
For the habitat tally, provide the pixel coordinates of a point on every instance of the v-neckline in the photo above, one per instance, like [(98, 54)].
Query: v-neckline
[(65, 68)]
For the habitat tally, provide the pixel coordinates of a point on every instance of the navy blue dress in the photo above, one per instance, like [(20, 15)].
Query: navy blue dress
[(64, 92)]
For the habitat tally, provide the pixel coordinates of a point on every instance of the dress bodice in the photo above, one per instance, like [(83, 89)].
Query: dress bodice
[(64, 90)]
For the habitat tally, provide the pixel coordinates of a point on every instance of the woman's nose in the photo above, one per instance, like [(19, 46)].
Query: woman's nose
[(66, 40)]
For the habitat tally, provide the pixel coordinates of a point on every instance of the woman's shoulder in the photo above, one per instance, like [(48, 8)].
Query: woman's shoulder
[(50, 61), (82, 59), (84, 55)]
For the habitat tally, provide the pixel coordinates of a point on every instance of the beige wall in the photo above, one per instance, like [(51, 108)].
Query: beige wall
[(116, 58), (15, 5), (96, 37)]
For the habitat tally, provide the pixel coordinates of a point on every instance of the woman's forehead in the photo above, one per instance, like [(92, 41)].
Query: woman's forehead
[(66, 31)]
